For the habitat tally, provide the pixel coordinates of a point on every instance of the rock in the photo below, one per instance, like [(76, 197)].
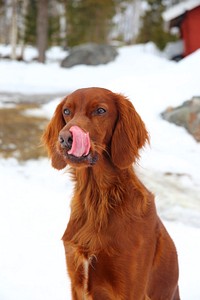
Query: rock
[(89, 54), (186, 115)]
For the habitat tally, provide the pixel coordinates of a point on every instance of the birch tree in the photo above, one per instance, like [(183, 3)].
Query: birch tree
[(42, 29), (13, 33)]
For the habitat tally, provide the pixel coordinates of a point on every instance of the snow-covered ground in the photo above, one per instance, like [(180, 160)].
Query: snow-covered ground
[(34, 198)]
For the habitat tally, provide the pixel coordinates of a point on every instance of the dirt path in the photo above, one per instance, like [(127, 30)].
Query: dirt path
[(20, 133)]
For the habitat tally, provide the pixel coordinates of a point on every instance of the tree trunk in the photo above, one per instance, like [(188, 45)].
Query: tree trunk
[(23, 27), (42, 29), (13, 35)]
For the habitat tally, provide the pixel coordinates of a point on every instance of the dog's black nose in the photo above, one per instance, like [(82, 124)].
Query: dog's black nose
[(66, 140)]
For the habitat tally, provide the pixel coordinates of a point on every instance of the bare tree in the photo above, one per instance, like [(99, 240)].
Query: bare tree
[(23, 26), (42, 29), (127, 21), (13, 34), (4, 28)]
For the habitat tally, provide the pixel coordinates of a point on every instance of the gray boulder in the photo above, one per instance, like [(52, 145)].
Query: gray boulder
[(186, 115), (89, 54)]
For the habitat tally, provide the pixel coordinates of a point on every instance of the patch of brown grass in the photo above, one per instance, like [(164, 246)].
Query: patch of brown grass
[(20, 134)]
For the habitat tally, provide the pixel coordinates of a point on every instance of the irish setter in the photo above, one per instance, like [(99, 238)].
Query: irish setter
[(116, 246)]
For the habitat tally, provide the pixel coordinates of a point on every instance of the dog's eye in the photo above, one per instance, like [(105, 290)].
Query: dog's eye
[(100, 111), (66, 112)]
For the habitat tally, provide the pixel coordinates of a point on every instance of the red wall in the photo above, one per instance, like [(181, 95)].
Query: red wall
[(190, 29)]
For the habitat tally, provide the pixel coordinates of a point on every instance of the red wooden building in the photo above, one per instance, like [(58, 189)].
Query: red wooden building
[(186, 16)]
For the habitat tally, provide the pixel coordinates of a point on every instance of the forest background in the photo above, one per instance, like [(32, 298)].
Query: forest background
[(68, 23)]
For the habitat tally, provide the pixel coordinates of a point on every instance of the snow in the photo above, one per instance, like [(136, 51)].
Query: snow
[(179, 9), (35, 198)]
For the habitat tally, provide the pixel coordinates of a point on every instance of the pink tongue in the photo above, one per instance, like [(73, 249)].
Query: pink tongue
[(81, 142)]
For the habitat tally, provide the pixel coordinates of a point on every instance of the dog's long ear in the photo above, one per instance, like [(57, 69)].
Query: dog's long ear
[(129, 135), (50, 137)]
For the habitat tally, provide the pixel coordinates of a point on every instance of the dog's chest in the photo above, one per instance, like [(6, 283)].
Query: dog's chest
[(85, 266), (80, 264)]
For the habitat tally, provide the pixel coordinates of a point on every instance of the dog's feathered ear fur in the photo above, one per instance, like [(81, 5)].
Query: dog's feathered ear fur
[(50, 137), (129, 135)]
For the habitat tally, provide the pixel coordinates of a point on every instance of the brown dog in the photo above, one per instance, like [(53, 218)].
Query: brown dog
[(116, 246)]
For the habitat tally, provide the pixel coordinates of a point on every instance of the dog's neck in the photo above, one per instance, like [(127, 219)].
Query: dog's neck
[(102, 176), (101, 193), (104, 186)]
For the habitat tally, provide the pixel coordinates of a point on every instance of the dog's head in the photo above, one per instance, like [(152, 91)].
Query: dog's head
[(92, 123)]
